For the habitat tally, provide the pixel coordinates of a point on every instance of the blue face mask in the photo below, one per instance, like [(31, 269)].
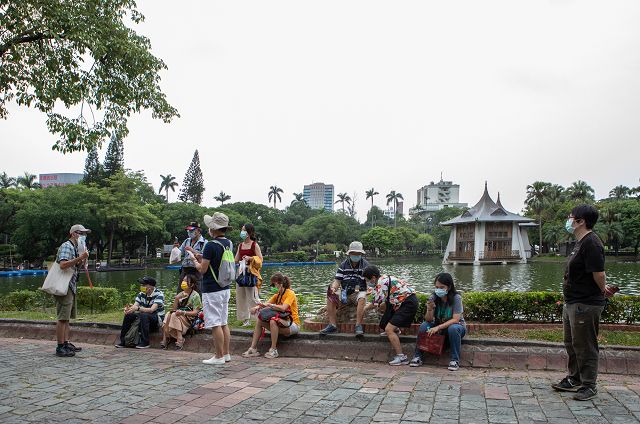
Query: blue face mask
[(191, 233), (440, 292), (243, 235), (355, 258), (569, 225)]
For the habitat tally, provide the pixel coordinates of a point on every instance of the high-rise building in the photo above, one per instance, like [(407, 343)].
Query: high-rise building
[(436, 196), (59, 179), (319, 196), (391, 211)]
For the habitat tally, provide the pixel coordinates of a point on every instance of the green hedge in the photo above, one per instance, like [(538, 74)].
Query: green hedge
[(295, 256), (98, 299)]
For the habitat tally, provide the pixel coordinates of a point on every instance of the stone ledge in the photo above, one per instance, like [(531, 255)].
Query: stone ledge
[(475, 353)]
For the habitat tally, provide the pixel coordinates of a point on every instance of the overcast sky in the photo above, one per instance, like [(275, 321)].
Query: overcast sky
[(377, 94)]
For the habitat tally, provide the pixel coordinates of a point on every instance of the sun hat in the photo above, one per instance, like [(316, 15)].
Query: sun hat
[(356, 247), (147, 281), (79, 228), (193, 225), (217, 221)]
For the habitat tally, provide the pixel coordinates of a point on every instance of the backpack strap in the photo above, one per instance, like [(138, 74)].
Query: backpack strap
[(223, 249)]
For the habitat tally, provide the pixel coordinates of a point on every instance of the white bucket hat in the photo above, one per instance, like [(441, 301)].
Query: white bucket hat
[(356, 247), (217, 221)]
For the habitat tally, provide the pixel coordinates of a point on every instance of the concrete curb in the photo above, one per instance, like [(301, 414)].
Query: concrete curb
[(506, 354)]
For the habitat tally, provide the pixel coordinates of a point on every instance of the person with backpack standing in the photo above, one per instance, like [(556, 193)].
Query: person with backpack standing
[(216, 280), (248, 284)]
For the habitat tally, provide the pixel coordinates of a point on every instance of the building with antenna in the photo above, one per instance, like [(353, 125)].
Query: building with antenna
[(488, 233)]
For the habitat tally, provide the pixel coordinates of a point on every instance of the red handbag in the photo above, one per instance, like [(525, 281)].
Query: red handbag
[(433, 344)]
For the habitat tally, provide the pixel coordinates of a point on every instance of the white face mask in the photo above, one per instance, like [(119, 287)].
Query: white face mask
[(82, 243)]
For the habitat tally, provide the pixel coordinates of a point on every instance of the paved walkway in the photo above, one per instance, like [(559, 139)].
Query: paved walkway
[(106, 385)]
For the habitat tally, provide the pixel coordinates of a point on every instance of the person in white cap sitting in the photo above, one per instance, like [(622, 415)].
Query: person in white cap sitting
[(348, 288), (68, 257)]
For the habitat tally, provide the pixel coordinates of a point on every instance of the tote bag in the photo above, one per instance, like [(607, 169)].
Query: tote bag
[(432, 344), (57, 280)]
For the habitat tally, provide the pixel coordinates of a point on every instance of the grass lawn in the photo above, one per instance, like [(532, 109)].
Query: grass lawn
[(624, 338)]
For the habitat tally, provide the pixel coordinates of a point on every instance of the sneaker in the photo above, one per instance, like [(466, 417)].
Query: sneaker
[(586, 393), (566, 385), (329, 329), (397, 331), (246, 323), (453, 366), (273, 353), (214, 361), (143, 346), (399, 360), (359, 330), (63, 352), (120, 345), (72, 347), (415, 362), (227, 358)]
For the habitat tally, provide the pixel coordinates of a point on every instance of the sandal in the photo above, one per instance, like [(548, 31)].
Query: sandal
[(251, 353), (273, 353), (163, 345), (179, 346)]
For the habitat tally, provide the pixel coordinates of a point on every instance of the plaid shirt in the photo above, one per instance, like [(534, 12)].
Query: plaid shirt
[(68, 252)]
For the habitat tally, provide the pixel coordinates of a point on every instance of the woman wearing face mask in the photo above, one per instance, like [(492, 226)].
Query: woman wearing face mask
[(186, 307), (444, 312), (248, 284)]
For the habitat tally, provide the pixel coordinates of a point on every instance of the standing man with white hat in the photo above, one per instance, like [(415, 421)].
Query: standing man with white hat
[(352, 287), (66, 305)]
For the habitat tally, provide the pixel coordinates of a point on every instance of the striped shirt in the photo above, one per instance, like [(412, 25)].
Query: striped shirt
[(68, 252), (351, 277), (147, 301)]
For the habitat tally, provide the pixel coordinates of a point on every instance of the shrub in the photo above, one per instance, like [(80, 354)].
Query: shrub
[(98, 299), (20, 300), (295, 256)]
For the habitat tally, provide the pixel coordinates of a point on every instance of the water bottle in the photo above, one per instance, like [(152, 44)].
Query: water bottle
[(343, 296)]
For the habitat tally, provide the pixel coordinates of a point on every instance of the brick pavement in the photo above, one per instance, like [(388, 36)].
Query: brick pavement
[(108, 385)]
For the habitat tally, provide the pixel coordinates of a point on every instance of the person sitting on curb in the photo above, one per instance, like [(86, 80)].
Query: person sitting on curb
[(444, 312), (349, 284), (186, 307), (283, 301), (398, 300), (149, 307)]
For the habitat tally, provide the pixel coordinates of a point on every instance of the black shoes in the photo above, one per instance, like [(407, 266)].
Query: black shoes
[(64, 352), (566, 385), (586, 393), (72, 347)]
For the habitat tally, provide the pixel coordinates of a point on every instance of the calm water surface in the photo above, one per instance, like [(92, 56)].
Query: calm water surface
[(313, 280)]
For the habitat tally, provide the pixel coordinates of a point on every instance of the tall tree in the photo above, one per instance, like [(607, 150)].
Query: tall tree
[(298, 198), (537, 200), (620, 192), (394, 197), (85, 55), (343, 198), (580, 191), (274, 193), (222, 197), (168, 182), (114, 158), (370, 195), (27, 181), (92, 166), (193, 182), (7, 181)]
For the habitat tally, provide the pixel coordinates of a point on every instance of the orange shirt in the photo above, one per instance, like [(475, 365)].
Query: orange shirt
[(288, 297)]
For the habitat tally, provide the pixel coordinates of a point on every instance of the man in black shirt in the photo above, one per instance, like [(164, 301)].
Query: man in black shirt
[(583, 289)]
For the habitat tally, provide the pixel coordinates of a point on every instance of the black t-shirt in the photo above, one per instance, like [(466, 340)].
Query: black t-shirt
[(213, 252), (586, 258)]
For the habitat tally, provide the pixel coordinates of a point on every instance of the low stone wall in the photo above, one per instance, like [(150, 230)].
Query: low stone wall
[(498, 353)]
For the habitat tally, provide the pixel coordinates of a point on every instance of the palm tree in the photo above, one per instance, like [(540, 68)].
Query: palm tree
[(222, 197), (610, 227), (343, 198), (620, 192), (394, 197), (168, 182), (554, 233), (27, 181), (298, 198), (274, 193), (537, 200), (370, 194), (580, 191), (7, 181)]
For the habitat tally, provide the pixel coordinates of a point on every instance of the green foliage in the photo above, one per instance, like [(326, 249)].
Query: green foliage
[(114, 158), (98, 299), (19, 300), (92, 167), (193, 182), (129, 296), (381, 238), (295, 256)]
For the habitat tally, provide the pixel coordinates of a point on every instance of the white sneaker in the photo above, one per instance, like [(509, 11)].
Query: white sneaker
[(227, 358), (246, 323), (214, 361)]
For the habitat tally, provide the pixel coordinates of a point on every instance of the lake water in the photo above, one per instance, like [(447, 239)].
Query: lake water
[(313, 279)]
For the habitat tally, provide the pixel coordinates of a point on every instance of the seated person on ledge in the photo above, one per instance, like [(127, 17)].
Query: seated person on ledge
[(149, 307), (444, 314), (283, 301), (348, 288), (186, 307)]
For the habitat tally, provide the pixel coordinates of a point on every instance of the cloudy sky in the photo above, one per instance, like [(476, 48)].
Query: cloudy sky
[(378, 94)]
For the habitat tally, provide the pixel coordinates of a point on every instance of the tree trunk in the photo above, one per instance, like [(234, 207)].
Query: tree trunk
[(110, 243), (540, 233)]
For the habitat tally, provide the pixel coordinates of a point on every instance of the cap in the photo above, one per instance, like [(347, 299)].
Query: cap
[(147, 281), (79, 228), (192, 226)]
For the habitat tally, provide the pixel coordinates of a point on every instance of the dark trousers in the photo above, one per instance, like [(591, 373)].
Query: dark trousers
[(148, 322), (581, 324)]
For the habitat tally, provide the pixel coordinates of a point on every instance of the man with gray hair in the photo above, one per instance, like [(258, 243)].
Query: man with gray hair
[(68, 257), (348, 288)]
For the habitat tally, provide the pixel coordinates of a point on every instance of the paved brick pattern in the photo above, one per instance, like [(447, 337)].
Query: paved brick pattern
[(107, 385)]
